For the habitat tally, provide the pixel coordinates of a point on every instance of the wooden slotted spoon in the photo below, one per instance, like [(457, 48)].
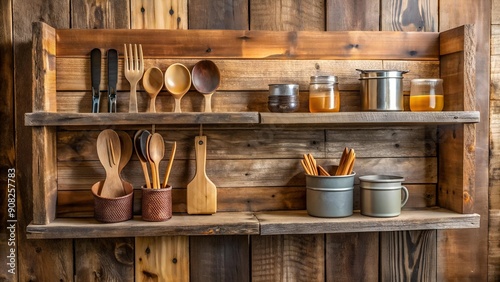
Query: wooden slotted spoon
[(109, 152)]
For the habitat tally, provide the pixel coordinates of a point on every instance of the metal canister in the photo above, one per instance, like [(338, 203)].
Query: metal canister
[(382, 90)]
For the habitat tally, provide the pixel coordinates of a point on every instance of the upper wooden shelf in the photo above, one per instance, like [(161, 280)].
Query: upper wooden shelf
[(63, 119), (344, 118), (246, 223), (367, 118)]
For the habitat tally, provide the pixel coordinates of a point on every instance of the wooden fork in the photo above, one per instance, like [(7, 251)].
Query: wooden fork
[(134, 68)]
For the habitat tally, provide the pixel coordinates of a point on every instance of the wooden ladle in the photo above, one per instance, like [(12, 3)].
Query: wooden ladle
[(109, 153), (206, 80), (153, 83), (177, 82), (156, 154)]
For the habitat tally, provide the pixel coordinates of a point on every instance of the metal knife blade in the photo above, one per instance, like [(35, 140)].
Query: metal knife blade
[(112, 79), (95, 74)]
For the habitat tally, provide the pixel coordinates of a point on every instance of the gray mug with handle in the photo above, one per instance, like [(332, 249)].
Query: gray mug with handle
[(382, 195)]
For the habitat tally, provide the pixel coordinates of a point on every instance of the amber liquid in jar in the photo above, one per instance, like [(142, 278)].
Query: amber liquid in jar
[(324, 94), (422, 103), (324, 103)]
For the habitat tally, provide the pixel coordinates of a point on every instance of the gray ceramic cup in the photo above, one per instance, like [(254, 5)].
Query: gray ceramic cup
[(382, 195)]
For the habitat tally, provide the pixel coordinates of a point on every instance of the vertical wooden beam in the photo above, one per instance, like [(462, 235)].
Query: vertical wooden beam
[(218, 14), (97, 14), (287, 15), (44, 145), (408, 15), (352, 257), (159, 14), (288, 258), (455, 261), (7, 149), (108, 259), (408, 256), (163, 258), (347, 15), (457, 142), (219, 258)]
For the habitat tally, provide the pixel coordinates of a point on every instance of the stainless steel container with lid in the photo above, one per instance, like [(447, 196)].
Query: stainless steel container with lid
[(382, 90)]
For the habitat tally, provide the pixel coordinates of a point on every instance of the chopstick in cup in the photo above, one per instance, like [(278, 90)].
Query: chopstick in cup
[(342, 161)]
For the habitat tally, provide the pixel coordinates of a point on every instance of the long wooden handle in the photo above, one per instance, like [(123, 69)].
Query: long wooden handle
[(169, 165)]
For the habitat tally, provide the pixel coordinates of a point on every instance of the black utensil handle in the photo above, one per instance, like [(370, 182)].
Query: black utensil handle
[(95, 74)]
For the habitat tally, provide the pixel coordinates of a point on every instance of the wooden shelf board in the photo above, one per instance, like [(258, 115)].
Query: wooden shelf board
[(299, 222), (344, 118), (370, 118), (223, 223), (246, 223), (79, 119)]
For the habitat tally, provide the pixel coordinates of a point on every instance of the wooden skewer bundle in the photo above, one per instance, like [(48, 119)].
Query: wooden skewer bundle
[(345, 167)]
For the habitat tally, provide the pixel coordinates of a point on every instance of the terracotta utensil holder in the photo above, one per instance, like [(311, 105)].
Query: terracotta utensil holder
[(113, 209), (156, 204)]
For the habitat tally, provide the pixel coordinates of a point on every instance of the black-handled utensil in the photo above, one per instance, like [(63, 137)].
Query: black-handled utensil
[(95, 74), (112, 79)]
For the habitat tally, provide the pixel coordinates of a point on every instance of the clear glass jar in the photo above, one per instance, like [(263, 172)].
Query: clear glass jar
[(324, 95), (426, 94)]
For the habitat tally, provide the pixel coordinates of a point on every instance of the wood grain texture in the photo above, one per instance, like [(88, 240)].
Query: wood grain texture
[(104, 259), (299, 222), (407, 15), (164, 258), (352, 45), (451, 262), (458, 142), (222, 223), (99, 14), (7, 138), (494, 244), (219, 14), (287, 15), (408, 255), (219, 258), (247, 172), (352, 15), (288, 258), (352, 256), (163, 14), (37, 260)]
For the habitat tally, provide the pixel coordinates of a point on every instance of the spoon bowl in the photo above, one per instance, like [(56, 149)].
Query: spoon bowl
[(153, 83), (156, 154), (177, 82), (206, 80), (142, 158)]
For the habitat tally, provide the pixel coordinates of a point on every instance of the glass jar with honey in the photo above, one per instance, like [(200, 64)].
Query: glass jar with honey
[(426, 94), (324, 95)]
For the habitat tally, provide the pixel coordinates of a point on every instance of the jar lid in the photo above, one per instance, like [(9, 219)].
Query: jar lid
[(324, 79)]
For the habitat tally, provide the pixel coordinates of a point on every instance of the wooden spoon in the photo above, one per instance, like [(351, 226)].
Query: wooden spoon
[(142, 158), (153, 83), (109, 152), (206, 79), (156, 154), (177, 82)]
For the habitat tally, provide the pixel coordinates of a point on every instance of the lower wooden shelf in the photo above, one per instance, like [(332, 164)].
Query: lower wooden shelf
[(247, 223), (299, 222)]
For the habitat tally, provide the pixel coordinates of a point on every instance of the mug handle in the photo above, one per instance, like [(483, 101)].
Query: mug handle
[(406, 196)]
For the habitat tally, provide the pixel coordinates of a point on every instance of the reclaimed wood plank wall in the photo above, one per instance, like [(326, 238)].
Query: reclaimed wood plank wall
[(431, 255)]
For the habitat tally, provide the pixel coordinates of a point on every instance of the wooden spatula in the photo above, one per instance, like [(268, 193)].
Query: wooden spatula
[(201, 191)]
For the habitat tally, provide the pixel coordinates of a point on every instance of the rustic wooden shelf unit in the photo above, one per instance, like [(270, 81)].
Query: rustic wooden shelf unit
[(439, 167)]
